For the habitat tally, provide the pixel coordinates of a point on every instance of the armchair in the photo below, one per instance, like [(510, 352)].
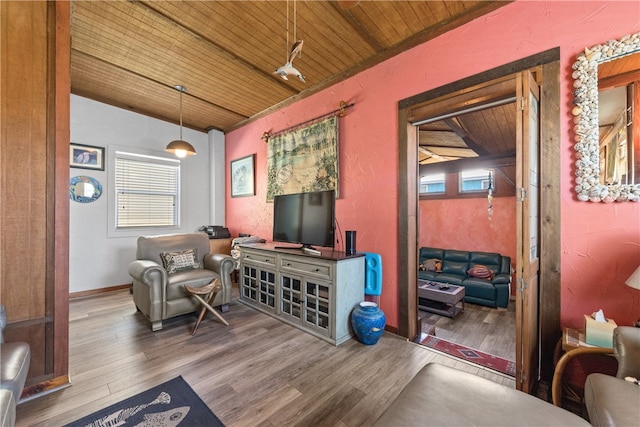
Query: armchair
[(160, 295), (612, 401)]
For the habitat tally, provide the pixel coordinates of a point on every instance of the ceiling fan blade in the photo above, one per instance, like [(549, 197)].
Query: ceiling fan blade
[(348, 4)]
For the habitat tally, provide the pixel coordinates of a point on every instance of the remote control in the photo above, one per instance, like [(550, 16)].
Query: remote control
[(311, 251)]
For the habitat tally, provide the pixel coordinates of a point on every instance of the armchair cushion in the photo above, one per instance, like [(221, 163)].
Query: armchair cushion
[(178, 261)]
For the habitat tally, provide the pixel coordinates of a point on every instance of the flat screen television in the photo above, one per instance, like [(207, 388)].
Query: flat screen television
[(306, 219)]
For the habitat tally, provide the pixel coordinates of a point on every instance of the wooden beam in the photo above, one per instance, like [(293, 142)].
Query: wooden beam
[(459, 165)]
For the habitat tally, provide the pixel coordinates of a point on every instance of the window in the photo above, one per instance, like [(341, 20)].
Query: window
[(476, 180), (432, 184), (147, 191)]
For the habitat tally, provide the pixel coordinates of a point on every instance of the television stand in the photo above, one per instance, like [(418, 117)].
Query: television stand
[(315, 294)]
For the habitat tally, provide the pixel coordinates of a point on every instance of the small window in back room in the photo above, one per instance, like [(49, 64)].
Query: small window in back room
[(432, 184), (478, 180), (147, 191)]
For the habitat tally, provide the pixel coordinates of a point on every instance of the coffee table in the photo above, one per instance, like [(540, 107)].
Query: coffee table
[(440, 298)]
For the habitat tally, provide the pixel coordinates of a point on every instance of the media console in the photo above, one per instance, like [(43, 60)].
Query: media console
[(315, 293)]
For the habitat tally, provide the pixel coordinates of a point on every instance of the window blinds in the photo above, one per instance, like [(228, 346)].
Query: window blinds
[(147, 192)]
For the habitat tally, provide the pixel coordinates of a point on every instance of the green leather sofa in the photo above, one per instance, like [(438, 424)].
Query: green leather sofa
[(455, 266)]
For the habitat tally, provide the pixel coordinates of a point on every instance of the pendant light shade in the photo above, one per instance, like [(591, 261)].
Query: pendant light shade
[(179, 147)]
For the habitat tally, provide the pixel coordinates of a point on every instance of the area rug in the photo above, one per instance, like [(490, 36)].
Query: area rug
[(173, 403), (475, 356)]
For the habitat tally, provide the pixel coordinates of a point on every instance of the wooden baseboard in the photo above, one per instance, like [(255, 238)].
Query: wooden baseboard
[(99, 291), (391, 329), (44, 387)]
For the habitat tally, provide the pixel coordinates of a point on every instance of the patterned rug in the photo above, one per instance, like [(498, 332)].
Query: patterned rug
[(475, 356), (173, 403)]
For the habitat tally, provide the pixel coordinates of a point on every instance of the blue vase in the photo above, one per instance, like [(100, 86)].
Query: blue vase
[(368, 322)]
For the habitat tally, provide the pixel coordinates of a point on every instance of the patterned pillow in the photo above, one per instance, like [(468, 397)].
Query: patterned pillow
[(432, 264), (480, 271), (179, 261)]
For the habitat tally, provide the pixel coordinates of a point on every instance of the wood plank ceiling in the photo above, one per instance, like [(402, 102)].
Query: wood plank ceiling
[(131, 54)]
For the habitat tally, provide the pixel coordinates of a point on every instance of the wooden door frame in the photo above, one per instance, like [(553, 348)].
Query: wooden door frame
[(549, 302)]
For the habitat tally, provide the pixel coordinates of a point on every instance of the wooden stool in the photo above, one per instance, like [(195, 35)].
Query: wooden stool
[(209, 293)]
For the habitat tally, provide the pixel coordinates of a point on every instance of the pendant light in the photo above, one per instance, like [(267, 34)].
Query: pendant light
[(179, 147)]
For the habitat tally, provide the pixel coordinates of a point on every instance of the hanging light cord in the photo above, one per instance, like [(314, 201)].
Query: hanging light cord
[(181, 89)]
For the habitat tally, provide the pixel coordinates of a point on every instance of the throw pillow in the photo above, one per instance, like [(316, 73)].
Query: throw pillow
[(432, 264), (180, 261), (480, 271)]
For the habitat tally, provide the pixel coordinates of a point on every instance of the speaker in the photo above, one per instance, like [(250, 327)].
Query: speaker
[(350, 242)]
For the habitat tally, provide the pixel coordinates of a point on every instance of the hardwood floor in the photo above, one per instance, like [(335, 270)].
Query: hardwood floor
[(483, 328), (256, 372)]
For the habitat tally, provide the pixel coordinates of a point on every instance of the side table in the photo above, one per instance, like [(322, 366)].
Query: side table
[(572, 342)]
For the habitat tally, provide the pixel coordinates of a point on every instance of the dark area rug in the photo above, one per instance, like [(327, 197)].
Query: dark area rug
[(173, 403), (475, 356)]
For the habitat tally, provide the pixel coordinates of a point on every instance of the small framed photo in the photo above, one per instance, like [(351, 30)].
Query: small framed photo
[(243, 176), (86, 157)]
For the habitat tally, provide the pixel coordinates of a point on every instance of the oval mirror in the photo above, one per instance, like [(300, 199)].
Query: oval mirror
[(607, 121)]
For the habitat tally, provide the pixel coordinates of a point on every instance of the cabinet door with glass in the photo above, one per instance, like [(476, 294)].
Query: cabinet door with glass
[(258, 282), (318, 314), (291, 297)]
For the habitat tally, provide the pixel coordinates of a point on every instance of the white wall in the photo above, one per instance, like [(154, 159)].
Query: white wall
[(97, 260)]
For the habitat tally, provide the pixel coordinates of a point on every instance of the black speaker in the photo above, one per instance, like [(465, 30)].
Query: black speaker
[(350, 242)]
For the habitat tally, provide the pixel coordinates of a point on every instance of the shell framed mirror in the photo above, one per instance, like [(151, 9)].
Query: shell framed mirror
[(607, 121)]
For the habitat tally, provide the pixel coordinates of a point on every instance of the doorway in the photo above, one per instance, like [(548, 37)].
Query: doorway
[(547, 326), (467, 156)]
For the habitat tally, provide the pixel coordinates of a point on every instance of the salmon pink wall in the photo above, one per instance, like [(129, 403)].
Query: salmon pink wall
[(600, 242), (464, 224)]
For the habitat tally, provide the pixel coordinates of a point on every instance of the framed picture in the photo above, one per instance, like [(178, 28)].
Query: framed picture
[(243, 176), (86, 157)]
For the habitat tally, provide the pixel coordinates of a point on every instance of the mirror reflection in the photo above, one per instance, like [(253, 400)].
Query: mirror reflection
[(607, 144), (618, 122)]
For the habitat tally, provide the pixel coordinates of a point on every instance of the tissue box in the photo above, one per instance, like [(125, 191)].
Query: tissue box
[(599, 333)]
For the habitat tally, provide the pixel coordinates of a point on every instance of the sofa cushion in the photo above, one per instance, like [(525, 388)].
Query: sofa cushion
[(451, 278), (479, 288), (457, 256), (427, 275), (454, 267), (481, 271), (429, 253), (179, 261)]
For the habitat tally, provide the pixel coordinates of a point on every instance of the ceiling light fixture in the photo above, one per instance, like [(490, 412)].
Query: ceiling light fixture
[(179, 147)]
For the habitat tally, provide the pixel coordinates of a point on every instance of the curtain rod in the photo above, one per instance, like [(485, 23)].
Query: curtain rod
[(340, 112)]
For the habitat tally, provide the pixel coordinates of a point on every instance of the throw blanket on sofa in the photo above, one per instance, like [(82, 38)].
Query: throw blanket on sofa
[(486, 276)]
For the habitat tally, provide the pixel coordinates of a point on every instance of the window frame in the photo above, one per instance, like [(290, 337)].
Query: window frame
[(161, 157), (482, 191), (453, 191)]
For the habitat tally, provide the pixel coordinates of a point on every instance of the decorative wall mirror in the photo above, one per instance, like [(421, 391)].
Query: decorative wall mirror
[(608, 157)]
